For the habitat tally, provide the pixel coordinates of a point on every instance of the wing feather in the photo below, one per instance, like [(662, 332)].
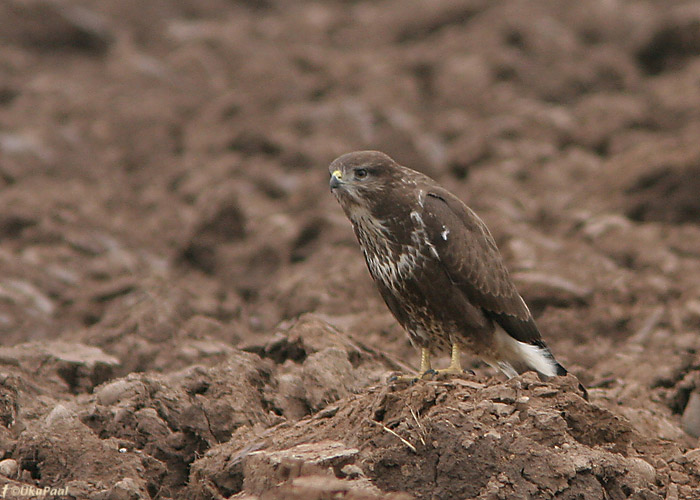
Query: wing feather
[(469, 255)]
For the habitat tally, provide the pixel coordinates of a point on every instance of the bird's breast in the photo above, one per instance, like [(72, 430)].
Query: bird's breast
[(393, 255)]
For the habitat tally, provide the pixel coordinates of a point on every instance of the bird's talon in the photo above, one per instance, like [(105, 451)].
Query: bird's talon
[(409, 379)]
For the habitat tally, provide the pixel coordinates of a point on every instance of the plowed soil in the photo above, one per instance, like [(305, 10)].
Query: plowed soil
[(184, 312)]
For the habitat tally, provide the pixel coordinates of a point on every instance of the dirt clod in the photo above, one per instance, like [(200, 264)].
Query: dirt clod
[(185, 313)]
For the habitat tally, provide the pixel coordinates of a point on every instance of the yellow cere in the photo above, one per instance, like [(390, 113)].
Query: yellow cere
[(337, 174)]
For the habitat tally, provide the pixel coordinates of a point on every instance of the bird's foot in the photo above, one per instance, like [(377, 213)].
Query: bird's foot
[(407, 379), (424, 368), (426, 371), (450, 371), (431, 375), (454, 370)]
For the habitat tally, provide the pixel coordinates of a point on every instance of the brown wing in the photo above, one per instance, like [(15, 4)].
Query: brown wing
[(471, 259)]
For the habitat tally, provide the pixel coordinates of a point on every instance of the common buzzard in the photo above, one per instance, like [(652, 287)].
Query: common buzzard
[(437, 267)]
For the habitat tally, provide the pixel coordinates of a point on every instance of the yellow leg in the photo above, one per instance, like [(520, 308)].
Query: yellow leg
[(424, 360), (455, 367), (455, 360), (426, 371), (425, 367)]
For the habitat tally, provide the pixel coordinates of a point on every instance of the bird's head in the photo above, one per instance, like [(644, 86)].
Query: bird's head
[(361, 180)]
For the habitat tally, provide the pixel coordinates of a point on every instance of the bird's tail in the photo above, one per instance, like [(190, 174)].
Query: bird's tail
[(518, 357)]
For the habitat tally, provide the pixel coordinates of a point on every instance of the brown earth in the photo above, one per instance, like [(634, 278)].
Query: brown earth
[(184, 312)]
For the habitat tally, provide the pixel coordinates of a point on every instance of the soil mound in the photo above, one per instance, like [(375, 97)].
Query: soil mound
[(184, 311)]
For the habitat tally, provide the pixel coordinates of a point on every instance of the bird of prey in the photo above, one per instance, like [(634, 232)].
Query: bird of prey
[(437, 267)]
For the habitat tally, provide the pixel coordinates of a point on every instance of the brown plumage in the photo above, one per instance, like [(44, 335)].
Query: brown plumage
[(437, 266)]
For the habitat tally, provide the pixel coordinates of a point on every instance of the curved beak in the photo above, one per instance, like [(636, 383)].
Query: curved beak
[(336, 179)]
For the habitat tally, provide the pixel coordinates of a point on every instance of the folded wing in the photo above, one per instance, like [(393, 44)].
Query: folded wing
[(471, 259)]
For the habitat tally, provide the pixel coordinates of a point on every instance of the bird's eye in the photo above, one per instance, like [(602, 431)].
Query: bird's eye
[(361, 173)]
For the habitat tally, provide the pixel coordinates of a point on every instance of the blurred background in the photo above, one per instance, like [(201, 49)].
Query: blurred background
[(163, 173)]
